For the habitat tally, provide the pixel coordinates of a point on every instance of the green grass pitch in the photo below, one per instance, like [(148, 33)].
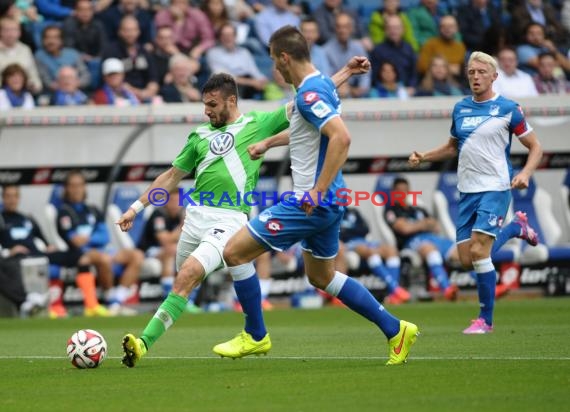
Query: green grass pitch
[(322, 360)]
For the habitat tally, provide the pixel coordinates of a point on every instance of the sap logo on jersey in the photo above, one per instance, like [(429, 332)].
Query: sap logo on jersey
[(320, 109), (472, 122), (222, 143)]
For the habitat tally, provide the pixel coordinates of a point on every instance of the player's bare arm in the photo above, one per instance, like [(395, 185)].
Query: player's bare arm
[(444, 152), (407, 227), (356, 65), (337, 152), (168, 181), (257, 150), (520, 181)]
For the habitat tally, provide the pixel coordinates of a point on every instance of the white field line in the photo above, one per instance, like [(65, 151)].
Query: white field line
[(359, 358)]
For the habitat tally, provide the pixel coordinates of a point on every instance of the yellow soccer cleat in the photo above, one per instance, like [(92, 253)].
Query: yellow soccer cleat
[(243, 345), (134, 349), (400, 344), (97, 311)]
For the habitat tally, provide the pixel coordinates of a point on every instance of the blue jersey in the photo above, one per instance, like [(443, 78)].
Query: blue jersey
[(316, 103), (484, 131)]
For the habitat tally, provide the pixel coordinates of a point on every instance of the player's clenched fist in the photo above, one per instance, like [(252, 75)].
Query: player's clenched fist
[(257, 150)]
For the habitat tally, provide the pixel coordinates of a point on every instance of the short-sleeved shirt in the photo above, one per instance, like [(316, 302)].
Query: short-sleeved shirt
[(158, 222), (316, 103), (224, 171), (411, 213), (484, 132)]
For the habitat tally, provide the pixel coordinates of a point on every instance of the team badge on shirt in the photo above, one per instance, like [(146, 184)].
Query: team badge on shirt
[(320, 109), (494, 110), (222, 143), (65, 222)]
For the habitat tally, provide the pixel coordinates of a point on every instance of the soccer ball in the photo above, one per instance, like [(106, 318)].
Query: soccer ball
[(86, 349)]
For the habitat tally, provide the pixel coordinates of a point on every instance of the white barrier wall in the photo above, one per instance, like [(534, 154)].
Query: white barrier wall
[(378, 128)]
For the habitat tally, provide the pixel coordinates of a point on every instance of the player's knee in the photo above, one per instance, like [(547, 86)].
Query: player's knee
[(466, 262), (231, 257), (477, 251), (137, 256)]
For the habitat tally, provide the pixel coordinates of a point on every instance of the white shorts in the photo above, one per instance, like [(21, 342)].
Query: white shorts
[(211, 226)]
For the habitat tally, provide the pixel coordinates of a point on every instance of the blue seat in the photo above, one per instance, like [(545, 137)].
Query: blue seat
[(537, 204)]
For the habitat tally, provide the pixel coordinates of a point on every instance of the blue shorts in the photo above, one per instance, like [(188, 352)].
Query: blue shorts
[(442, 244), (354, 243), (481, 212), (281, 226)]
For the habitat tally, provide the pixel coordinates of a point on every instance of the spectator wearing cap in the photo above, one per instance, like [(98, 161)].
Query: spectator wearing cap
[(115, 91)]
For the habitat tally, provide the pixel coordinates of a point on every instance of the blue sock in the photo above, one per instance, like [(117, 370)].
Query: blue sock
[(508, 232), (375, 264), (249, 296), (435, 264), (360, 300), (486, 281), (393, 267)]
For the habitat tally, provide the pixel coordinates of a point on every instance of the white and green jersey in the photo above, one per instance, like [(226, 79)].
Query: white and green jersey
[(224, 171)]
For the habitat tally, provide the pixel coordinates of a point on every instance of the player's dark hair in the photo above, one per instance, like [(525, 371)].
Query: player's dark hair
[(223, 82), (400, 180), (288, 39)]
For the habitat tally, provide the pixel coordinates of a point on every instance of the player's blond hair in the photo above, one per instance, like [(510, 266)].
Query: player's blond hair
[(483, 58)]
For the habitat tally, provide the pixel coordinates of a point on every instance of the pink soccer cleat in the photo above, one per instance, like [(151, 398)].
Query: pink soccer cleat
[(527, 232), (478, 327)]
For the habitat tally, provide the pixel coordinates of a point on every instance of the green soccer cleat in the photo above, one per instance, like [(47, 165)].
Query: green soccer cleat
[(243, 345), (400, 344), (134, 349)]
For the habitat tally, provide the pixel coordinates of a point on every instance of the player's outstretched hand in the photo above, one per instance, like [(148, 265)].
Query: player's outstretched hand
[(520, 181), (359, 65), (415, 159), (257, 150), (126, 220)]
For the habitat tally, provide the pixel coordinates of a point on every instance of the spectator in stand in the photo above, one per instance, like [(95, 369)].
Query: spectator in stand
[(28, 17), (13, 93), (539, 12), (220, 12), (141, 77), (12, 50), (53, 10), (476, 19), (112, 17), (278, 89), (192, 31), (325, 16), (396, 51), (115, 91), (86, 35), (274, 17), (83, 228), (183, 87), (340, 49), (511, 81), (164, 49), (439, 81), (230, 58), (425, 19), (387, 84), (216, 12), (445, 46), (53, 56), (67, 92), (310, 30), (377, 25), (547, 81), (536, 43)]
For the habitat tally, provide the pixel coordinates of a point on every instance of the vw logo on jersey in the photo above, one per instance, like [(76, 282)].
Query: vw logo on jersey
[(222, 143)]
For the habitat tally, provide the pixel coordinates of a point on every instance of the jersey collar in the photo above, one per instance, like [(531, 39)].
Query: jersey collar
[(495, 97), (307, 77)]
